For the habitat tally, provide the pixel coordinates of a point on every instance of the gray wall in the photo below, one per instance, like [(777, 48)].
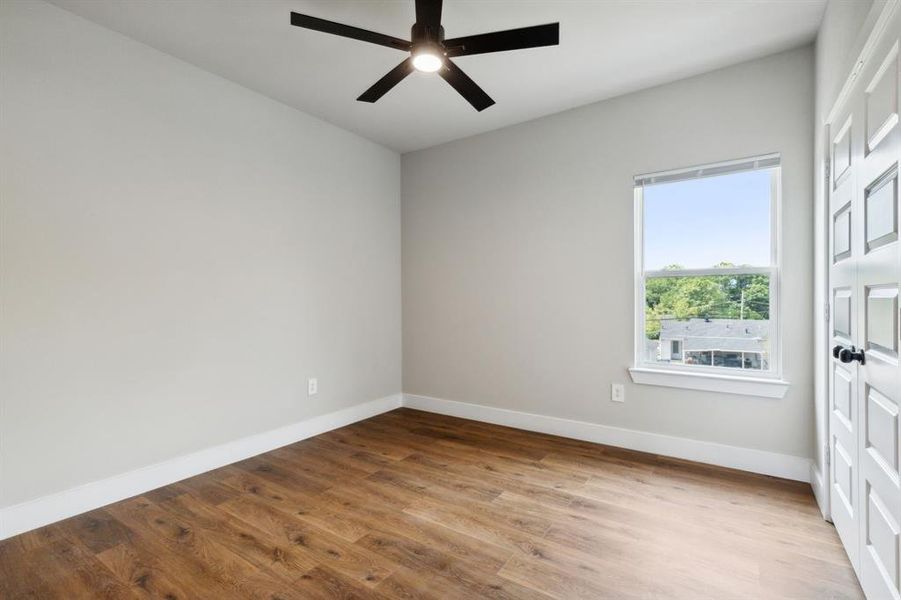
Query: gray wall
[(518, 255), (178, 255)]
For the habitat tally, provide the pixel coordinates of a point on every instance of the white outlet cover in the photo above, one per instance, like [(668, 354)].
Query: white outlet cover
[(617, 392), (312, 386)]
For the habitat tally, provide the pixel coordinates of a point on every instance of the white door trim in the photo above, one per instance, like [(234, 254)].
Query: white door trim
[(866, 53)]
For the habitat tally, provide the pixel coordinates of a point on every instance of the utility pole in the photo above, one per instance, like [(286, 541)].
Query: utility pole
[(741, 314)]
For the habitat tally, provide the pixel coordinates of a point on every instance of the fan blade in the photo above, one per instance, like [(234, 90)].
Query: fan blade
[(428, 14), (391, 79), (467, 88), (316, 24), (499, 41)]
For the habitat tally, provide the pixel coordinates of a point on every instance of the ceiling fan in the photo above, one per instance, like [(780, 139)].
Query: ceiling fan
[(430, 52)]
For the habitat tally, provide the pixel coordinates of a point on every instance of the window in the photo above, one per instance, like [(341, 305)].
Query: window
[(707, 269)]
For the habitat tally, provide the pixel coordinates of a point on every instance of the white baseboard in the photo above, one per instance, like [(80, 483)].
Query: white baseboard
[(746, 459), (32, 514)]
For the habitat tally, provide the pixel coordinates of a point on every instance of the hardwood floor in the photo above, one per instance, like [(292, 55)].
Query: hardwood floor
[(415, 505)]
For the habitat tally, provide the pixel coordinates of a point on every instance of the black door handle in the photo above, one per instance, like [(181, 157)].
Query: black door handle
[(846, 355)]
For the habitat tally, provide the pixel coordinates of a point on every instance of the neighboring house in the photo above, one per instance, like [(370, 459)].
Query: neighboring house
[(736, 343)]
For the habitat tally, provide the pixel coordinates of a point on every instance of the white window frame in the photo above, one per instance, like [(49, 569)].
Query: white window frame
[(767, 383)]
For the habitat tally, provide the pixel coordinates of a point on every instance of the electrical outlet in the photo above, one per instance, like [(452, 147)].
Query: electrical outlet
[(312, 386), (617, 392)]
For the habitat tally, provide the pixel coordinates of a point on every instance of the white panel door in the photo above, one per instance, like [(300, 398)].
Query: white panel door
[(843, 400), (878, 260), (865, 279)]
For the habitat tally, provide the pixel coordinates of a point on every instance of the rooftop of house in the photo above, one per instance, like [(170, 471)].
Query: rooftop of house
[(737, 335)]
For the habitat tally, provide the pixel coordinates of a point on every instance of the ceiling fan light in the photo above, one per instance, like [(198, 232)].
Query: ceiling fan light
[(427, 62)]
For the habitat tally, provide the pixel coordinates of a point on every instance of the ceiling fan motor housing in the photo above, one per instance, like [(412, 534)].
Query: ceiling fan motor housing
[(423, 34)]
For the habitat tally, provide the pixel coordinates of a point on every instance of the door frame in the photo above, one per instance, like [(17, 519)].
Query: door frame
[(819, 478)]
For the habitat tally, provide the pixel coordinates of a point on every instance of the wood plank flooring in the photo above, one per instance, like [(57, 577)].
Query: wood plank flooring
[(415, 505)]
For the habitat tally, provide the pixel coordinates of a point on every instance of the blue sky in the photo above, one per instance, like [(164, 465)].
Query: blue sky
[(700, 222)]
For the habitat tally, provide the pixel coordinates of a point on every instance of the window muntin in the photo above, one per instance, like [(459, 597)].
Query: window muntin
[(707, 268)]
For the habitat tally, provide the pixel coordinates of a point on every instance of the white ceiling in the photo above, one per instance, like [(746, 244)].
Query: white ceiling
[(607, 48)]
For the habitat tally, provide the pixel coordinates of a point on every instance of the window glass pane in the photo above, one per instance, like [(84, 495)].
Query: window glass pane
[(717, 320), (707, 222)]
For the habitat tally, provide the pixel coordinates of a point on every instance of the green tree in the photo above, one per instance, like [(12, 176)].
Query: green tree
[(713, 296)]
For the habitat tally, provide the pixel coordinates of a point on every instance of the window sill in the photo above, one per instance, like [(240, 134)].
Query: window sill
[(708, 382)]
